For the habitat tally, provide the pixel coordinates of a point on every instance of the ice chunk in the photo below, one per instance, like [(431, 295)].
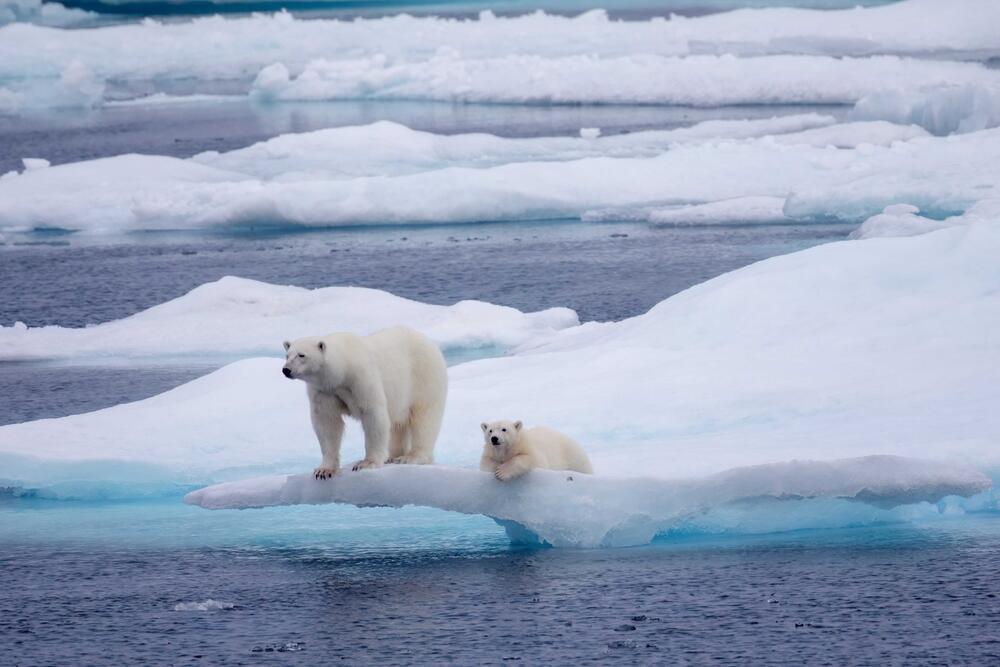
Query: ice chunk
[(207, 605), (699, 81), (903, 220), (236, 317), (741, 211), (940, 109), (474, 178), (572, 509), (31, 163), (590, 132), (43, 13)]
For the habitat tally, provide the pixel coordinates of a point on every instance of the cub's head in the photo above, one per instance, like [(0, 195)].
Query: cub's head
[(501, 434), (304, 358)]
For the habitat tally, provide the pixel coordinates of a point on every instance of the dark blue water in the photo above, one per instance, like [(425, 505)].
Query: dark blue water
[(882, 595)]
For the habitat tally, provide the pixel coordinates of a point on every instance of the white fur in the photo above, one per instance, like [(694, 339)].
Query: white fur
[(518, 450), (393, 381)]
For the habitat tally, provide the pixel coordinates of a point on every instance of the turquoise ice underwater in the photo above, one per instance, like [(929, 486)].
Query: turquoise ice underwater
[(793, 430)]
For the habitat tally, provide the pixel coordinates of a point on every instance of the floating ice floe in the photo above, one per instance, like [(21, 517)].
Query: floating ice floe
[(851, 349), (698, 81), (207, 605), (777, 54), (236, 317), (572, 509), (440, 179)]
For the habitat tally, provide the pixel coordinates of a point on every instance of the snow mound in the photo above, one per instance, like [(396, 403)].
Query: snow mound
[(236, 317), (481, 178), (903, 220), (941, 109), (698, 81), (576, 510)]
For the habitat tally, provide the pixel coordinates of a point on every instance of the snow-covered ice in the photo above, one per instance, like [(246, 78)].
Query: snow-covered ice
[(291, 181), (572, 509), (777, 53), (940, 109), (236, 317), (698, 81), (851, 349)]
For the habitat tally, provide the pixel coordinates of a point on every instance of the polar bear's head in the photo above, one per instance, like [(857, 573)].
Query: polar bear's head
[(502, 434), (306, 359)]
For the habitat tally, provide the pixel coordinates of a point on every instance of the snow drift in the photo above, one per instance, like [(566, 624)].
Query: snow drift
[(236, 317), (572, 509)]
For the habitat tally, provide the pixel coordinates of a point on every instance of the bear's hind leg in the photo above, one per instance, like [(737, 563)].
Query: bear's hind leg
[(399, 440), (424, 427)]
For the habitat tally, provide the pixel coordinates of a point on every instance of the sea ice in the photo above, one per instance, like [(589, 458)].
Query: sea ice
[(850, 349), (583, 48), (940, 109), (572, 509), (235, 317), (476, 177)]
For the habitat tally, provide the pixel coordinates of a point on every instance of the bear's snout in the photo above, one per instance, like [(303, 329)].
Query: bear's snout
[(287, 372), (495, 440)]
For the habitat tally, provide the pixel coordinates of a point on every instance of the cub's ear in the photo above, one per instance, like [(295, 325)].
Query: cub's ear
[(484, 426), (322, 346), (287, 345), (518, 425)]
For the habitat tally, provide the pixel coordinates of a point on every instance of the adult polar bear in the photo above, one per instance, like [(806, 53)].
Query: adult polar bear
[(393, 381)]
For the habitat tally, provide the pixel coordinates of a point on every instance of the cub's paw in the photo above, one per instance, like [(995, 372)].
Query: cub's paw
[(412, 459), (366, 463), (323, 472)]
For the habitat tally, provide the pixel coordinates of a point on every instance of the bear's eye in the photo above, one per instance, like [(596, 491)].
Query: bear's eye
[(302, 356), (504, 430)]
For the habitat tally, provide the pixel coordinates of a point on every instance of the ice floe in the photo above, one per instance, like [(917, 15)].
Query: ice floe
[(880, 347), (468, 178), (235, 317), (571, 509), (698, 81), (758, 55), (940, 109)]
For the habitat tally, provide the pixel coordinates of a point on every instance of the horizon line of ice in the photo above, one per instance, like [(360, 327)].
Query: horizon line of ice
[(568, 509)]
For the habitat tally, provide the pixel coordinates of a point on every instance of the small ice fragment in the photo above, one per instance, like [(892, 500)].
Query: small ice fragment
[(590, 132), (33, 163), (207, 605)]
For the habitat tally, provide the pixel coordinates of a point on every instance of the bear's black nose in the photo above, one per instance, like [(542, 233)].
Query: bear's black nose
[(287, 372), (495, 440)]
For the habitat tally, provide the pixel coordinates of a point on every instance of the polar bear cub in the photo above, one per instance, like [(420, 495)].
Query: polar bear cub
[(393, 381), (510, 450)]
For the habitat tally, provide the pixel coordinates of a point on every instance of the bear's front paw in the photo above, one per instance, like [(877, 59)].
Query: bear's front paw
[(323, 472), (366, 463), (503, 474)]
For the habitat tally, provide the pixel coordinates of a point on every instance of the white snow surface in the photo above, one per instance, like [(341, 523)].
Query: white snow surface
[(699, 81), (850, 349), (42, 13), (774, 53), (236, 317), (577, 510), (824, 171)]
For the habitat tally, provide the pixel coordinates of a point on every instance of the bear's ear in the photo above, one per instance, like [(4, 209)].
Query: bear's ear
[(484, 426), (322, 346), (287, 345), (518, 425)]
